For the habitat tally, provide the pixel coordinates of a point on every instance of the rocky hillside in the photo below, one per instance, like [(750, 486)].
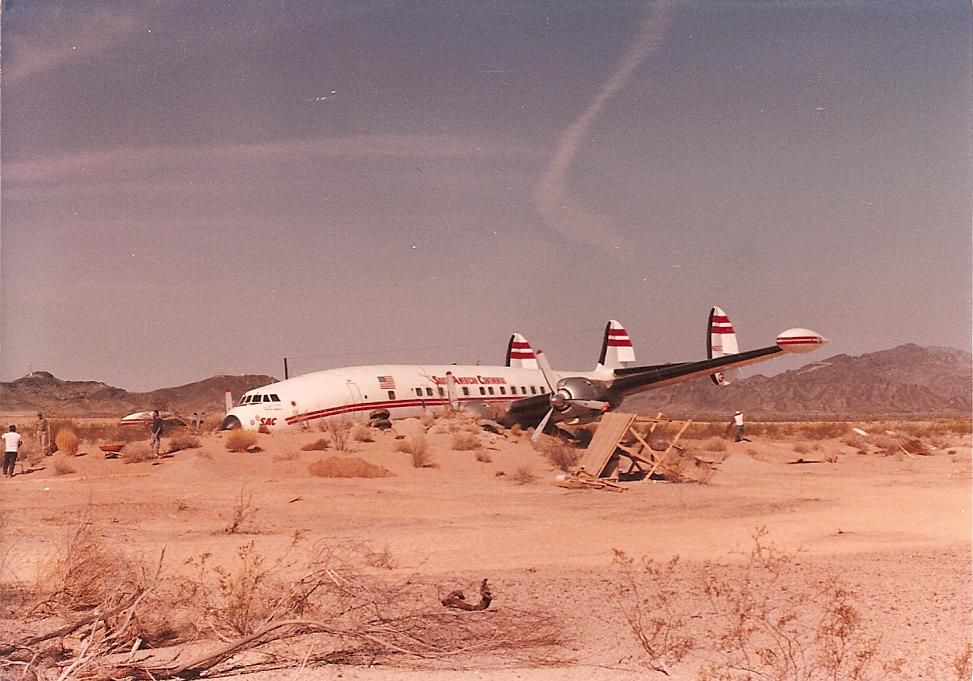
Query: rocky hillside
[(41, 391), (905, 381)]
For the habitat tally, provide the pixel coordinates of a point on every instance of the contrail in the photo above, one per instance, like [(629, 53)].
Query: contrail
[(560, 210)]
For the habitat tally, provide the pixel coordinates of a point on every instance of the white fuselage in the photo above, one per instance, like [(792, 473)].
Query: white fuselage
[(404, 390)]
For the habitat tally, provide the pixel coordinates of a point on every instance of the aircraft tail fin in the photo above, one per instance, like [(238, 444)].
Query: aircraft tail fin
[(520, 354), (616, 347), (228, 400), (721, 340)]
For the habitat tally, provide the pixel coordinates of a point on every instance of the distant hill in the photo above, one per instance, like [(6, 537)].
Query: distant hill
[(41, 391), (908, 380)]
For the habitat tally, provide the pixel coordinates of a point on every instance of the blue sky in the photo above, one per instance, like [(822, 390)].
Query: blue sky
[(198, 188)]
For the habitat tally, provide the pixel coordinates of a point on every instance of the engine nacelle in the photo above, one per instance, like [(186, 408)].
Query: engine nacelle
[(572, 389)]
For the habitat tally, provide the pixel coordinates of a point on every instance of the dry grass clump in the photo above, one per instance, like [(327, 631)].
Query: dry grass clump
[(347, 467), (561, 455), (524, 475), (483, 456), (61, 464), (339, 429), (465, 441), (136, 452), (362, 433), (318, 445), (241, 513), (183, 440), (67, 442), (240, 440), (417, 446)]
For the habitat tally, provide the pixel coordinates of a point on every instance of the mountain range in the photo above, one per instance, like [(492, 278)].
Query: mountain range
[(906, 381)]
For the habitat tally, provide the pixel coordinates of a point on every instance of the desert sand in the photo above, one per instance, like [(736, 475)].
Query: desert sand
[(894, 530)]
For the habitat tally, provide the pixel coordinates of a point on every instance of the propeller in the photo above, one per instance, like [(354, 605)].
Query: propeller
[(561, 398), (451, 391)]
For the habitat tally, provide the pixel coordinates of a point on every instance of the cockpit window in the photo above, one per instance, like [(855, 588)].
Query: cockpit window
[(267, 398), (274, 398)]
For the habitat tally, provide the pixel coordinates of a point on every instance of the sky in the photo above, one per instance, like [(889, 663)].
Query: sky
[(196, 188)]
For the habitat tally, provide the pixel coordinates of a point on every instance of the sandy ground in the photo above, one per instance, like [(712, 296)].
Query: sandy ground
[(895, 530)]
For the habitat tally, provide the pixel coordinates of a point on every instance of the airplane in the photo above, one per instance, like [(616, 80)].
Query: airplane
[(525, 390)]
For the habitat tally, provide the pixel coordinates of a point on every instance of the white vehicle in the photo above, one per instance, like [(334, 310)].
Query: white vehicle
[(525, 390)]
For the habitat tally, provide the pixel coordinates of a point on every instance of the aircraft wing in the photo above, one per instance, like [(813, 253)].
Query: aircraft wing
[(630, 380)]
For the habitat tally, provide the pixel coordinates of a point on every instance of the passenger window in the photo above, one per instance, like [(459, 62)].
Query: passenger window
[(523, 390), (533, 390), (543, 390), (391, 394), (428, 392), (503, 391), (490, 389), (482, 390), (466, 391), (419, 392), (441, 393)]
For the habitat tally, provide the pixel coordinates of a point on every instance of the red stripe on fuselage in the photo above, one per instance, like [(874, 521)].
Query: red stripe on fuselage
[(394, 404)]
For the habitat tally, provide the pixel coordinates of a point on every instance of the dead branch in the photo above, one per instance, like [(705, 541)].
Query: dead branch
[(457, 599)]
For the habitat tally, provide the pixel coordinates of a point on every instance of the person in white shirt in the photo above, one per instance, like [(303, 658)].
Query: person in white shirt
[(738, 422), (11, 445)]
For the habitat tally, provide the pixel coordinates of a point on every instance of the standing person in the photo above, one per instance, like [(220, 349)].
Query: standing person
[(155, 433), (43, 435), (11, 445), (738, 422)]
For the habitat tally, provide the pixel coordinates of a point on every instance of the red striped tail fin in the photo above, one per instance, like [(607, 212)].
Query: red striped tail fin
[(616, 347), (721, 340), (520, 354)]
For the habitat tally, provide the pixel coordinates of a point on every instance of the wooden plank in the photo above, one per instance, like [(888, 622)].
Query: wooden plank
[(662, 456), (611, 429)]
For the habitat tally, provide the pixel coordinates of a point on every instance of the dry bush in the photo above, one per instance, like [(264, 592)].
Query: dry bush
[(855, 441), (418, 447), (648, 599), (465, 441), (764, 631), (183, 440), (561, 455), (318, 445), (483, 456), (382, 559), (240, 440), (714, 444), (524, 475), (67, 442), (362, 433), (62, 465), (136, 452), (823, 431), (241, 513), (346, 467), (339, 430), (516, 430)]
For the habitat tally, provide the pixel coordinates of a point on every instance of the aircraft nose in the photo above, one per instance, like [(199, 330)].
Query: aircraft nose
[(231, 423)]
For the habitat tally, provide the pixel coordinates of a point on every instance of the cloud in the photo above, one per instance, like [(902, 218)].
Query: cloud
[(129, 161), (557, 206), (62, 33)]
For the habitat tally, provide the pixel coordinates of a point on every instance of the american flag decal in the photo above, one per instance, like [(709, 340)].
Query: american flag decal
[(386, 383)]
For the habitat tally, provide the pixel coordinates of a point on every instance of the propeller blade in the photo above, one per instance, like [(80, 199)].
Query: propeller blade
[(539, 430), (545, 368), (451, 390)]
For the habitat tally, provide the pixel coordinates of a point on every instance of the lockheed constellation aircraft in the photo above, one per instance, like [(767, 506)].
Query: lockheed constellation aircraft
[(525, 390)]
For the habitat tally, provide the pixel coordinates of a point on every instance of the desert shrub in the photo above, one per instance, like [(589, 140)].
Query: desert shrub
[(240, 440), (362, 433), (346, 467), (715, 444), (823, 431), (67, 442), (562, 455), (183, 440), (483, 456), (382, 559), (62, 465), (516, 430), (241, 513), (318, 445), (136, 452), (338, 429), (465, 441), (417, 446), (524, 475)]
